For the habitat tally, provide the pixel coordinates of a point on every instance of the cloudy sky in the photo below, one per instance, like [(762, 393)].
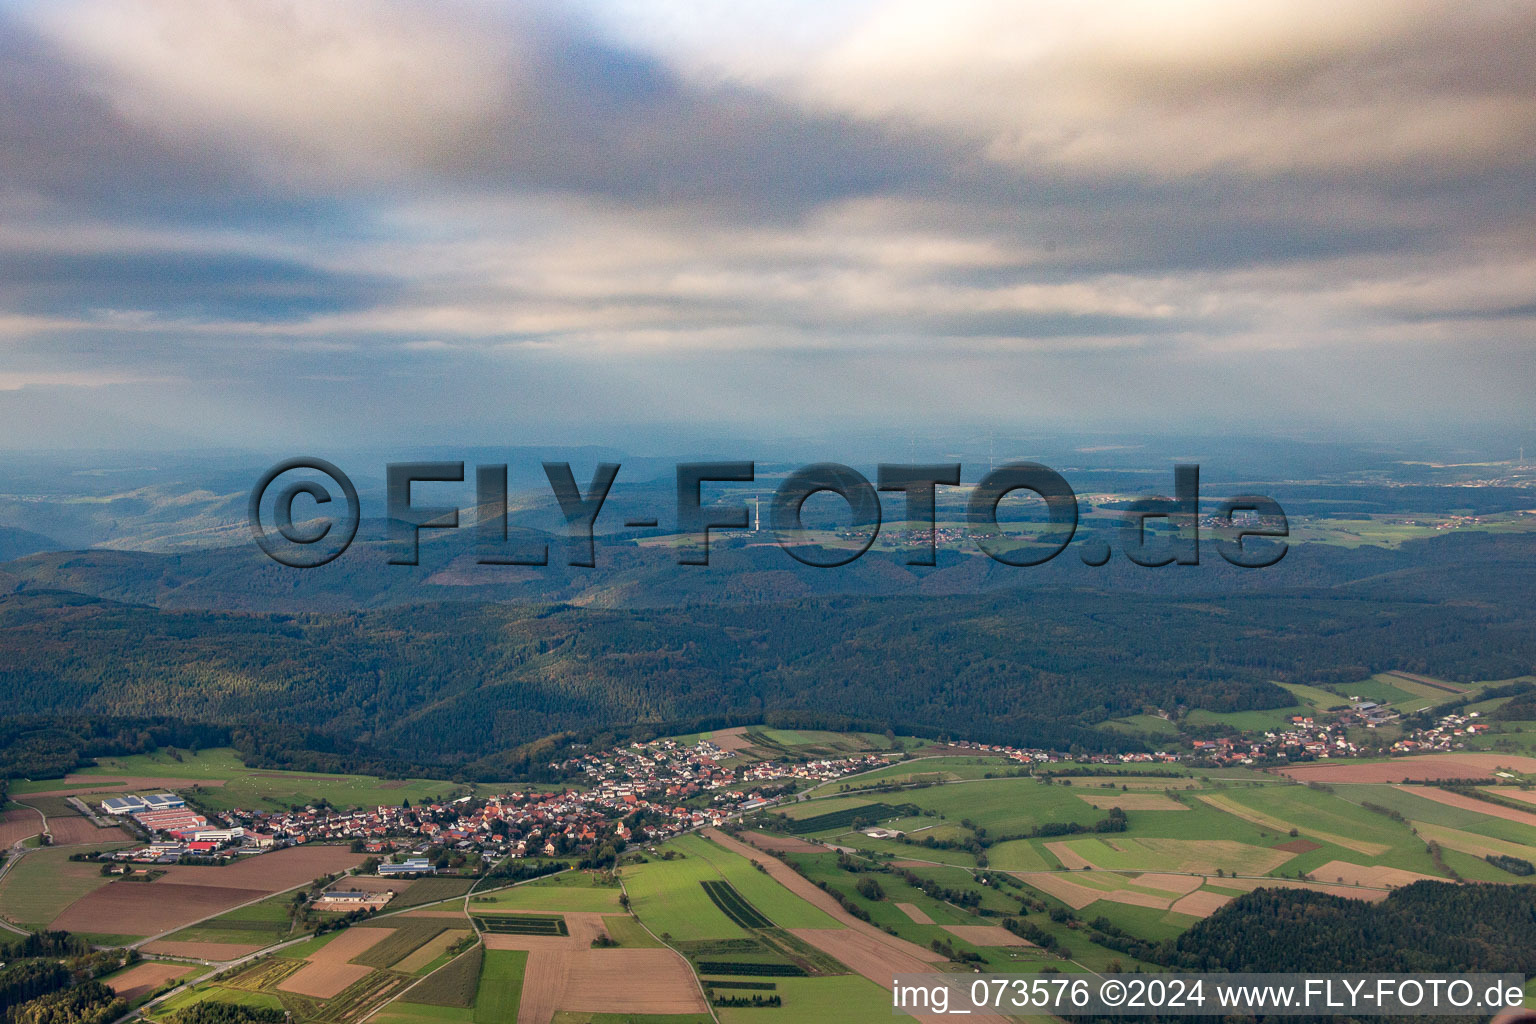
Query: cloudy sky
[(262, 222)]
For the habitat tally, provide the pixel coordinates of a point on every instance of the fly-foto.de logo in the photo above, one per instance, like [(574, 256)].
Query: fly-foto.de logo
[(307, 522)]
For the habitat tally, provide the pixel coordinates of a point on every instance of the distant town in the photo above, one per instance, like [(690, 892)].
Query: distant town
[(645, 792)]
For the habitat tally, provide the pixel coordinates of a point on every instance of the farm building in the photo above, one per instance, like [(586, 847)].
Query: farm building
[(121, 805), (409, 866)]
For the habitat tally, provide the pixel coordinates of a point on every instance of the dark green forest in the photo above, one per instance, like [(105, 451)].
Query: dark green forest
[(1427, 926), (473, 688)]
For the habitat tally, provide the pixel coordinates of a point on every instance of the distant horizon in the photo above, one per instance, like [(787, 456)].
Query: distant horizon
[(398, 224)]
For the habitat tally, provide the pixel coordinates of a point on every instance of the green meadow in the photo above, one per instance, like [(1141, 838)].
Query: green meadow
[(258, 788), (501, 986)]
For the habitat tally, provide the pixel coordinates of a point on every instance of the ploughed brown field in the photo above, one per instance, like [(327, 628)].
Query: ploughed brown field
[(77, 831), (143, 978), (1419, 768), (148, 908), (18, 823), (273, 872), (1181, 884), (986, 935), (781, 844), (731, 740), (565, 973), (328, 971), (186, 894), (1298, 846), (202, 950), (1201, 904)]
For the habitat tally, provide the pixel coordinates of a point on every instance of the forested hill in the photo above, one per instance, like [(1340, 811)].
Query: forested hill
[(1428, 926), (742, 570), (449, 683)]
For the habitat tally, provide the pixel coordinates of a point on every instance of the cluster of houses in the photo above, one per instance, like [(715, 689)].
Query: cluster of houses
[(666, 771), (640, 793), (1448, 733), (1036, 755)]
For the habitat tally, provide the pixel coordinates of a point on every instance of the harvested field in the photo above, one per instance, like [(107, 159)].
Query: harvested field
[(1471, 842), (1130, 801), (323, 980), (327, 971), (1524, 795), (349, 944), (1063, 888), (1113, 887), (1468, 803), (1419, 768), (77, 831), (1068, 858), (143, 978), (149, 908), (1131, 782), (640, 981), (1200, 904), (1375, 877), (628, 981), (731, 740), (1180, 884), (781, 844), (17, 824), (986, 935), (1132, 898), (201, 950), (914, 913), (1433, 684)]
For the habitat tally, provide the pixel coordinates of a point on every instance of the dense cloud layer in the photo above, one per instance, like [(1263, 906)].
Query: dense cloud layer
[(399, 220)]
